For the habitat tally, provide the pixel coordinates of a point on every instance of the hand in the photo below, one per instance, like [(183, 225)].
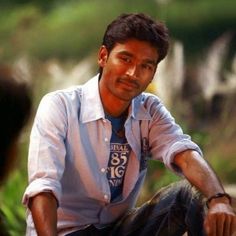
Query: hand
[(220, 220)]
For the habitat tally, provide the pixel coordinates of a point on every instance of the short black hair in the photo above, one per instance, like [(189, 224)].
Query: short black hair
[(138, 26)]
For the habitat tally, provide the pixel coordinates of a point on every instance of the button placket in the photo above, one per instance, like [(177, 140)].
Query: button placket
[(103, 163)]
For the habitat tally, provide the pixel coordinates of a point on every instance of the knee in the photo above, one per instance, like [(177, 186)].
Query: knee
[(180, 193)]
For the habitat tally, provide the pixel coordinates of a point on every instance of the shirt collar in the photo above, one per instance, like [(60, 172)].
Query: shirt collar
[(92, 109), (91, 105), (138, 110)]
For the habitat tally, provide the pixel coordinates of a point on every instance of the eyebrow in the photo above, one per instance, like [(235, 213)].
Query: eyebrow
[(149, 61), (152, 62)]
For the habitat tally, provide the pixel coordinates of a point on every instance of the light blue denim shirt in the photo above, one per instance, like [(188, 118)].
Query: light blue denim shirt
[(69, 152)]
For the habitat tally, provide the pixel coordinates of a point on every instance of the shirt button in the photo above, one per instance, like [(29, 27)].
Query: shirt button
[(106, 196), (103, 170), (106, 139)]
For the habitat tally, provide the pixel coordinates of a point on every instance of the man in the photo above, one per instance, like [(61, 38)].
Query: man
[(90, 144), (15, 108)]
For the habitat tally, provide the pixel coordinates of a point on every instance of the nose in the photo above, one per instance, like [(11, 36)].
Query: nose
[(132, 71)]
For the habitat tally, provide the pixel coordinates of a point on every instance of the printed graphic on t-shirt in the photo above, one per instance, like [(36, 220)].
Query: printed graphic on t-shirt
[(116, 168)]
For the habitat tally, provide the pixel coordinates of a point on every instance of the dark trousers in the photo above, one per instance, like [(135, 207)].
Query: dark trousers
[(174, 210)]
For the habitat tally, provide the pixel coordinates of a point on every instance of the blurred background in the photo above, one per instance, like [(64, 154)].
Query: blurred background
[(53, 45)]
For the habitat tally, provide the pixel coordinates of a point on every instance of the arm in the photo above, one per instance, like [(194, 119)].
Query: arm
[(220, 219), (46, 165), (44, 212)]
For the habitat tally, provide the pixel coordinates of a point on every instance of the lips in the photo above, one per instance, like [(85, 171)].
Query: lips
[(128, 83)]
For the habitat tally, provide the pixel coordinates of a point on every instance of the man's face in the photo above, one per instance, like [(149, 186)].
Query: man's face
[(127, 69)]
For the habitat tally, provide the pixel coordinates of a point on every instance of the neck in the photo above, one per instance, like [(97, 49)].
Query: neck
[(114, 109), (112, 105)]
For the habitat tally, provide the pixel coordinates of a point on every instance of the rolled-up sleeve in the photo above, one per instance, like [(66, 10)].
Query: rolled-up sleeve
[(46, 159), (167, 138)]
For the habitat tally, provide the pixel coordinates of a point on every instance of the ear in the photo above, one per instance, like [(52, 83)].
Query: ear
[(102, 56)]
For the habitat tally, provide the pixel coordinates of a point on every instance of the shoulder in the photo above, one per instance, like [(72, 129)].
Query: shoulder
[(64, 97), (149, 98), (73, 93), (153, 104), (58, 106), (64, 94)]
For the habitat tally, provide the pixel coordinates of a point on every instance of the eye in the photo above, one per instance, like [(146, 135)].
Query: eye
[(147, 66), (125, 59)]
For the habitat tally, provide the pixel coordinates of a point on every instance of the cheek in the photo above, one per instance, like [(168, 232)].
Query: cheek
[(114, 69), (146, 82), (148, 77)]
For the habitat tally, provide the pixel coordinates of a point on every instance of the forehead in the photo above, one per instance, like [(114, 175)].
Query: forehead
[(136, 48)]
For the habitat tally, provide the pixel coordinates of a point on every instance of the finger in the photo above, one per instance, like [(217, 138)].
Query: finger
[(233, 227), (210, 226), (207, 227), (220, 225), (227, 226), (213, 230)]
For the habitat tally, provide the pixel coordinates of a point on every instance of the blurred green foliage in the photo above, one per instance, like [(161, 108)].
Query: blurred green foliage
[(73, 29), (70, 29), (11, 195)]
